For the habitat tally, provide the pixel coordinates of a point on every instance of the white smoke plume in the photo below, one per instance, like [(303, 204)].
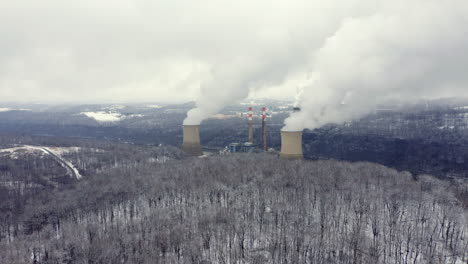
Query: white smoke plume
[(407, 50), (348, 59), (297, 98), (231, 83), (275, 53)]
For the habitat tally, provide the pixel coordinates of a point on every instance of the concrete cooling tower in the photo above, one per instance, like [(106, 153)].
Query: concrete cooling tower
[(191, 143), (291, 145)]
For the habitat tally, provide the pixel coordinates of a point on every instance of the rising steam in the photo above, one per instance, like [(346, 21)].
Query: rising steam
[(350, 58), (403, 54), (228, 84)]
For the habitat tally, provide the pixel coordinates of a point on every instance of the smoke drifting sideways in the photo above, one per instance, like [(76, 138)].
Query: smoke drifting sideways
[(404, 52)]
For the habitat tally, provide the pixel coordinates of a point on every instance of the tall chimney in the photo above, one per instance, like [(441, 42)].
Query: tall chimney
[(191, 142), (250, 125), (291, 145), (264, 132)]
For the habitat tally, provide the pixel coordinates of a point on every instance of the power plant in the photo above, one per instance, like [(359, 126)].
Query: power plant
[(291, 141), (191, 143), (249, 146)]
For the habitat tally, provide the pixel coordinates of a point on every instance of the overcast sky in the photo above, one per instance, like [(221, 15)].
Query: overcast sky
[(173, 50), (157, 50)]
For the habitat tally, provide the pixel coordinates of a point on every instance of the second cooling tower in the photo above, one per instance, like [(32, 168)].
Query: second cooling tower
[(191, 143), (291, 145)]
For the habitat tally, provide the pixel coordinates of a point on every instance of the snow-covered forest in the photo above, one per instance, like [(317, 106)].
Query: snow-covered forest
[(242, 209)]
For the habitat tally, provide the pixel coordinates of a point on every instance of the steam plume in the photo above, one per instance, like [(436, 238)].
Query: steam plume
[(275, 51), (344, 60), (404, 51), (227, 84)]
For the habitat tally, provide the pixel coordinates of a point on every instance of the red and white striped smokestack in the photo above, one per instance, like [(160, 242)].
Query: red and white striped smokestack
[(264, 133), (250, 125)]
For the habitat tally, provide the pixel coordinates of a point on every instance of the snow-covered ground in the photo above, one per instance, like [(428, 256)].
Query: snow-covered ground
[(103, 116), (55, 152), (461, 108), (116, 107), (11, 152), (63, 150), (63, 161), (31, 149), (108, 116), (4, 109), (74, 169), (446, 127), (154, 106), (135, 115)]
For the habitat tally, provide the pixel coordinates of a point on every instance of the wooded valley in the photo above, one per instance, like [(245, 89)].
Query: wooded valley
[(241, 209)]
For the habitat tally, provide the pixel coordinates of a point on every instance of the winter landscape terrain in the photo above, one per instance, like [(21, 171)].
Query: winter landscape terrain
[(86, 190), (234, 132)]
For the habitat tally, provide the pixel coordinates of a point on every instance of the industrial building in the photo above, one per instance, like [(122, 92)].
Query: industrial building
[(246, 147), (291, 141), (249, 146)]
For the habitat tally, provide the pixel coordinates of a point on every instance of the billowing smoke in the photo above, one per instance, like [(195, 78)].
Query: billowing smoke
[(231, 83), (276, 51), (348, 60), (407, 50)]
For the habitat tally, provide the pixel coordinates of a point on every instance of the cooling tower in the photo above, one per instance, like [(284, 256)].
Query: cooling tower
[(291, 145), (191, 142)]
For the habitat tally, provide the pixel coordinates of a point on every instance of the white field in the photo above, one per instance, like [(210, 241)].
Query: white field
[(103, 116), (154, 106), (4, 109), (108, 116)]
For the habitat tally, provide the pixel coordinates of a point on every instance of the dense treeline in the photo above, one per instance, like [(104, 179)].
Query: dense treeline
[(445, 124), (30, 178), (433, 141), (443, 159), (432, 138), (246, 209)]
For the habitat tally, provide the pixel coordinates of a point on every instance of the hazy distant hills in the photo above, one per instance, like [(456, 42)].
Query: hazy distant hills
[(424, 137), (141, 200)]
